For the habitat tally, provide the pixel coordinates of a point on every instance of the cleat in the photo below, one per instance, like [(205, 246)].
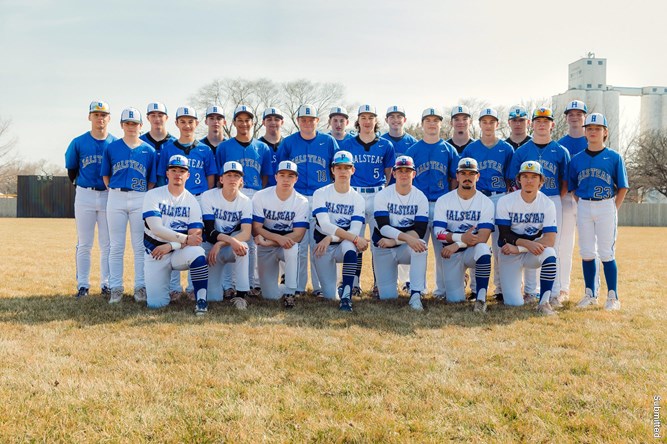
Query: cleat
[(282, 278), (201, 308), (499, 297), (612, 303), (255, 292), (175, 295), (239, 303), (530, 298), (299, 294), (473, 296), (288, 301), (339, 291), (230, 293), (555, 303), (116, 296), (140, 294), (106, 291), (191, 295), (480, 307), (375, 292), (82, 293), (564, 296), (587, 301), (318, 294), (406, 287), (356, 291), (546, 310), (416, 302), (345, 304)]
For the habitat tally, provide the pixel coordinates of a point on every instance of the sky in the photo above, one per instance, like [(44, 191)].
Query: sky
[(58, 56)]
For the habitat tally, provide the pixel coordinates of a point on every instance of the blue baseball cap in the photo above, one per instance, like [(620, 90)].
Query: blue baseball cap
[(343, 158), (180, 161), (518, 112)]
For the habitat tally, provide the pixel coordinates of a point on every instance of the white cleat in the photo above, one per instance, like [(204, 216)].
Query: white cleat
[(480, 307), (116, 295), (612, 303), (555, 303), (416, 302), (546, 310), (588, 300), (140, 294)]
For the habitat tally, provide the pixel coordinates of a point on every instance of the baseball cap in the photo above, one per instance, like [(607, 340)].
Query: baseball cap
[(215, 109), (596, 119), (232, 166), (460, 109), (243, 109), (178, 160), (543, 112), (186, 111), (98, 107), (130, 115), (272, 112), (343, 158), (306, 111), (432, 112), (518, 112), (156, 107), (576, 104), (531, 166), (404, 162), (338, 110), (287, 165), (396, 109), (467, 164), (367, 109), (488, 112)]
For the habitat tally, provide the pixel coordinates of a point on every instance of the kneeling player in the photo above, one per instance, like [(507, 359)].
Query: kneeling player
[(463, 221), (173, 237), (401, 216), (526, 221), (227, 217), (339, 211), (279, 222)]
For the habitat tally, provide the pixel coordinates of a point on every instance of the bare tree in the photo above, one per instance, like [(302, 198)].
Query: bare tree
[(647, 163), (321, 95), (8, 157)]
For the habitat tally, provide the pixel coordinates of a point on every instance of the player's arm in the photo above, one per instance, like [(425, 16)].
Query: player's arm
[(563, 188), (211, 181), (265, 181), (155, 225), (72, 173), (105, 179), (387, 175), (547, 239), (620, 197)]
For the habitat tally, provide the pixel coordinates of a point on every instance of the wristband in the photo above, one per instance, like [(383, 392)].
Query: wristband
[(522, 249), (182, 238), (175, 246), (456, 237), (461, 244)]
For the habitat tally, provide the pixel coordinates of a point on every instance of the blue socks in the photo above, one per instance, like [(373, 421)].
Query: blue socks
[(547, 278), (589, 268), (611, 275), (350, 265), (482, 272), (199, 275)]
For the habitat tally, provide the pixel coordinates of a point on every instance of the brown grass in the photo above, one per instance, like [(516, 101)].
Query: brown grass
[(82, 371)]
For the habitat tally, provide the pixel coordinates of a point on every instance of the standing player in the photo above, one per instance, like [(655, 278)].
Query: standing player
[(312, 152), (462, 223), (227, 215), (173, 237), (156, 114), (279, 223), (435, 162), (340, 214), (272, 119), (128, 170), (401, 217), (83, 160), (526, 220), (461, 121), (555, 161), (339, 119), (599, 181), (215, 121)]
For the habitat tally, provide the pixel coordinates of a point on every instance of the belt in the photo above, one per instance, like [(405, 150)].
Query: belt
[(124, 190), (368, 189), (595, 199), (93, 188), (491, 193)]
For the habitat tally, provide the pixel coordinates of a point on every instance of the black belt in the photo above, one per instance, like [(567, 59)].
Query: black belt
[(491, 193), (94, 188), (124, 190), (595, 199)]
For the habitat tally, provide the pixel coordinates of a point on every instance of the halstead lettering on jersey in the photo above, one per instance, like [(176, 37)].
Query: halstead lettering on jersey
[(549, 166), (310, 158), (129, 163), (279, 215), (89, 160), (527, 218), (595, 173), (168, 210), (368, 158), (337, 208), (196, 164), (471, 215), (491, 165), (229, 216), (402, 210), (432, 165)]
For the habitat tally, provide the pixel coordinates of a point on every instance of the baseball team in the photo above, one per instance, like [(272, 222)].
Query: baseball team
[(245, 216)]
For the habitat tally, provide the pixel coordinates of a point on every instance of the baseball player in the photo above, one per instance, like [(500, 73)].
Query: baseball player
[(215, 121), (128, 170), (599, 181), (435, 162), (312, 152), (83, 159), (227, 215), (555, 161), (339, 119), (157, 136), (462, 222), (461, 119), (279, 223), (173, 237), (493, 157), (526, 220), (373, 159), (401, 217), (340, 213), (273, 120)]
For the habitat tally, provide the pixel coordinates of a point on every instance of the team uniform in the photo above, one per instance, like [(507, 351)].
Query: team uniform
[(84, 154), (516, 145), (273, 154), (280, 217), (226, 217), (459, 148), (401, 145), (202, 164), (157, 144)]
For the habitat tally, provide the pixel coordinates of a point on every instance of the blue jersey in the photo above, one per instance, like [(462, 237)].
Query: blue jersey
[(202, 163), (435, 164), (85, 153), (313, 159), (459, 148), (494, 164), (555, 161), (254, 157), (401, 144), (597, 175), (370, 160), (574, 145), (345, 137), (129, 168), (157, 144), (273, 153)]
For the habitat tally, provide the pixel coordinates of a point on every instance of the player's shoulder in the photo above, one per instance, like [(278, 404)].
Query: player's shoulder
[(263, 193), (300, 198), (322, 192), (418, 195), (210, 194), (509, 198), (502, 145)]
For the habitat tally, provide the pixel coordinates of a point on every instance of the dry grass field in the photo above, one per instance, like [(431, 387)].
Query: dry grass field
[(84, 371)]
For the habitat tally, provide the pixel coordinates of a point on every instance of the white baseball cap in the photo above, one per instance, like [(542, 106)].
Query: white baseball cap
[(576, 104), (130, 115), (367, 109), (467, 164), (517, 112), (343, 158), (596, 119), (243, 109), (338, 110), (432, 112), (460, 109), (186, 111), (156, 107), (287, 165), (233, 166), (179, 160), (215, 109), (488, 112), (272, 111), (531, 166), (404, 162), (396, 109), (97, 106), (306, 111)]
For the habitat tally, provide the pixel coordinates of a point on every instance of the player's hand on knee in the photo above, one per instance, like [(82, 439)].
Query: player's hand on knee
[(160, 251), (535, 248), (449, 250), (386, 243), (285, 242), (470, 238), (417, 245), (508, 249), (213, 254), (322, 246), (240, 249), (362, 244), (193, 240)]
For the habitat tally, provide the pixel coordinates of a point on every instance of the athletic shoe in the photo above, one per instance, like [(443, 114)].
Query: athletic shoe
[(82, 293), (239, 303), (255, 292), (230, 293), (140, 294), (376, 292), (106, 291), (555, 302), (282, 278), (588, 300), (175, 295), (480, 307), (318, 294), (499, 297), (545, 309), (191, 295), (288, 301), (472, 296), (339, 291), (116, 295), (564, 296), (345, 304), (201, 308), (416, 302), (612, 303), (356, 291), (530, 298), (406, 287), (299, 294)]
